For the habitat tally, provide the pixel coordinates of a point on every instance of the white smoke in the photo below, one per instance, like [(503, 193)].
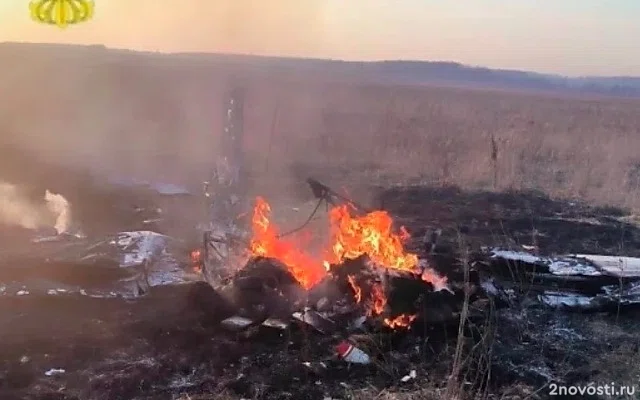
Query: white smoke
[(17, 209), (59, 206)]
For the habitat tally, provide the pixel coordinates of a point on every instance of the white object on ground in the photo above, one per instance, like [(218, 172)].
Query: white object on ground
[(407, 378), (54, 371)]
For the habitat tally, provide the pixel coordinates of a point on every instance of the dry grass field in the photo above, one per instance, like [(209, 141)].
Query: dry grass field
[(115, 111)]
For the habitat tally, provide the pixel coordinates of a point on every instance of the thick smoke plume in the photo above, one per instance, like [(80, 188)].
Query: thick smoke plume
[(17, 209)]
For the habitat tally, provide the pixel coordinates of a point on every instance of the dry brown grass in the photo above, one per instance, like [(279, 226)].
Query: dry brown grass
[(582, 148), (160, 115)]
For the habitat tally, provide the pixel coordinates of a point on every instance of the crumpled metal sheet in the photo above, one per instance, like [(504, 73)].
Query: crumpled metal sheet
[(627, 267), (565, 265), (126, 264), (616, 279), (139, 247)]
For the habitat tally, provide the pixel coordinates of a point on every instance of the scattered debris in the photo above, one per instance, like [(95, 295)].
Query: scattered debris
[(125, 264), (54, 371), (580, 281), (237, 323), (275, 323), (137, 248), (622, 267), (352, 354), (315, 320), (412, 375), (555, 265)]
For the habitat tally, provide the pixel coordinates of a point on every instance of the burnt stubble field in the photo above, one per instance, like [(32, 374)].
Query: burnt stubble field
[(487, 167)]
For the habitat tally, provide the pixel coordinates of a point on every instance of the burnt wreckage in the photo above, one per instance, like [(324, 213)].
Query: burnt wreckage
[(263, 287), (361, 294), (225, 194)]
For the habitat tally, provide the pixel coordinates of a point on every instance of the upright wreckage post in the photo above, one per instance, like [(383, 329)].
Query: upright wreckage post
[(226, 192)]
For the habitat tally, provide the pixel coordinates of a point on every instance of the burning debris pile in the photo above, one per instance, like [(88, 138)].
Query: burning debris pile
[(362, 272)]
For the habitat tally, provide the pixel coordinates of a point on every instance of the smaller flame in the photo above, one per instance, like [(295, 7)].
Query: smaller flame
[(196, 260), (378, 300), (401, 321), (357, 292), (431, 276)]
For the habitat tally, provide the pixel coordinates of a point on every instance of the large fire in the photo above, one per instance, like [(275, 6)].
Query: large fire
[(266, 242), (350, 237), (372, 235)]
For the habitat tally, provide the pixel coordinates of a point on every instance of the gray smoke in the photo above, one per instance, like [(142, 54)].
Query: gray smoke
[(17, 209)]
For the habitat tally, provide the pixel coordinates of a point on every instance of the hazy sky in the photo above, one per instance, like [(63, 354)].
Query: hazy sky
[(575, 37)]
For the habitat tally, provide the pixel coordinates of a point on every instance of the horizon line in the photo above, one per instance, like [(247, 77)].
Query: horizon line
[(305, 58)]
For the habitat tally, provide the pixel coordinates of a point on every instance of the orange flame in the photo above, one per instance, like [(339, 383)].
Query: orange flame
[(401, 321), (196, 260), (378, 300), (357, 292), (265, 242), (372, 235), (351, 237)]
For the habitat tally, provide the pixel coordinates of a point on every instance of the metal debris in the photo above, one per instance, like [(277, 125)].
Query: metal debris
[(315, 320), (275, 323), (555, 265), (54, 371), (237, 323), (578, 281), (623, 267)]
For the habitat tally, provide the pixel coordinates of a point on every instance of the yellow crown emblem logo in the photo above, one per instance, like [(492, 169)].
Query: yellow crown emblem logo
[(61, 12)]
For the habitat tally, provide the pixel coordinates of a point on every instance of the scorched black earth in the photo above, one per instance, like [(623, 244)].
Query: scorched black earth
[(164, 340)]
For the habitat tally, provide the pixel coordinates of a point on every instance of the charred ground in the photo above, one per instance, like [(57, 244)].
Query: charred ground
[(168, 344)]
